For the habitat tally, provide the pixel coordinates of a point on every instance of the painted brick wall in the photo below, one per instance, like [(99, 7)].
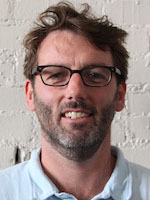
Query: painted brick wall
[(19, 128)]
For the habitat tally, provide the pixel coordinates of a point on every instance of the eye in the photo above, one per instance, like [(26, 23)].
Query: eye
[(96, 76), (54, 73), (57, 75)]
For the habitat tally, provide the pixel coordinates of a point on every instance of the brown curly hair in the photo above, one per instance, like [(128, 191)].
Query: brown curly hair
[(63, 16)]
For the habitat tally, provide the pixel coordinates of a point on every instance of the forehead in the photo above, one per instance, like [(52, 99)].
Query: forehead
[(66, 47)]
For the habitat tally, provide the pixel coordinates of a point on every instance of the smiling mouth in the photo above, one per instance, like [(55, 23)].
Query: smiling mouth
[(76, 115)]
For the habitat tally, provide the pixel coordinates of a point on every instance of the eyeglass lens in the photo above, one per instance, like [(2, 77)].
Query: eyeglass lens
[(92, 76)]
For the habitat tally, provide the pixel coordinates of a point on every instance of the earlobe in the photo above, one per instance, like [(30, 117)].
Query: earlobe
[(121, 97), (29, 95)]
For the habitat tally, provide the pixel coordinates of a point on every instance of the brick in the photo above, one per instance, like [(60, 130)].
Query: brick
[(7, 74), (128, 12), (118, 129), (139, 71), (17, 128), (12, 99), (139, 156), (13, 35), (137, 41), (117, 134), (7, 155), (109, 9), (139, 103), (8, 62), (19, 77), (140, 127), (4, 9), (136, 12), (29, 9)]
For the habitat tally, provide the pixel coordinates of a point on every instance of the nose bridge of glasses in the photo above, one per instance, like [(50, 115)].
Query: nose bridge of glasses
[(76, 72)]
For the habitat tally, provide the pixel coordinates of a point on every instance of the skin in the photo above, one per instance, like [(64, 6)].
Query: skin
[(74, 51)]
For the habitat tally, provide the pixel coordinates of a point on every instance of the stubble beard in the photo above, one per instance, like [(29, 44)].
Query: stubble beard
[(77, 147)]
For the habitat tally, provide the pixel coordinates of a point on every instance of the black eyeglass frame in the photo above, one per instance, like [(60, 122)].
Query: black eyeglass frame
[(38, 69)]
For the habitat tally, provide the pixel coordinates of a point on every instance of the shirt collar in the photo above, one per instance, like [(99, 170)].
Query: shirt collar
[(118, 186), (42, 186)]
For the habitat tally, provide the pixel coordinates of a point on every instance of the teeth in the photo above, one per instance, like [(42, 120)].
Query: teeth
[(75, 115)]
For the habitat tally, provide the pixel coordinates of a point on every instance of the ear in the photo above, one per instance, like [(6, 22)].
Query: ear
[(121, 96), (29, 95)]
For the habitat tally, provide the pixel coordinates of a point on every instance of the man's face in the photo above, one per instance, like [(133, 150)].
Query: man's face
[(74, 118)]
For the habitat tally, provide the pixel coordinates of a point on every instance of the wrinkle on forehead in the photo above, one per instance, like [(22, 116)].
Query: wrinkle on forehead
[(64, 36), (74, 48)]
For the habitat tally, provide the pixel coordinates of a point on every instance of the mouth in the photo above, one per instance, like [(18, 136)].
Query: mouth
[(76, 115)]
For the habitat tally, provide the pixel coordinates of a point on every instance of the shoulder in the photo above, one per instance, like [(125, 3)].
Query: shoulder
[(139, 173), (132, 180), (14, 171), (17, 182), (14, 181), (13, 175), (140, 181), (20, 170), (130, 169)]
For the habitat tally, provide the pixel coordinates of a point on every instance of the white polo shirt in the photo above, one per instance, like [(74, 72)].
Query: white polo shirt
[(27, 181)]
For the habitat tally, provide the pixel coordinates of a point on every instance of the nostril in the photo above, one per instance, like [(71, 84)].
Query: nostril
[(70, 98), (76, 98)]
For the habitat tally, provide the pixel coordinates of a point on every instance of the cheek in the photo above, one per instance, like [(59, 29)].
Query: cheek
[(50, 99), (48, 95), (102, 98)]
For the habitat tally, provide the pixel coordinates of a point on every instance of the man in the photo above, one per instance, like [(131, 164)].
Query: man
[(75, 68)]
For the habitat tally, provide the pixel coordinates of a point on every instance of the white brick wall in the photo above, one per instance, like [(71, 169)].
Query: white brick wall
[(19, 129)]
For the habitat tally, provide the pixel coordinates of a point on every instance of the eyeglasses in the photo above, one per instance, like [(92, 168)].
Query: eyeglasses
[(93, 76)]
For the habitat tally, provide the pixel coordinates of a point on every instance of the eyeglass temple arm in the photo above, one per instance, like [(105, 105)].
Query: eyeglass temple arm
[(117, 71)]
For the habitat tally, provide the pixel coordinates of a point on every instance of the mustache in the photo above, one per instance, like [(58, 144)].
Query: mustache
[(78, 105)]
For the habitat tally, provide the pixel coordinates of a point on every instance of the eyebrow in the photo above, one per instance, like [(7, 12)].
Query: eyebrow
[(97, 65)]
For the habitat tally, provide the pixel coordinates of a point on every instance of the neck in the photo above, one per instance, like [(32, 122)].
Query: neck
[(93, 173)]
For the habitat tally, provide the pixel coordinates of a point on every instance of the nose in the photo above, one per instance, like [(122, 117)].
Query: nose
[(76, 89)]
